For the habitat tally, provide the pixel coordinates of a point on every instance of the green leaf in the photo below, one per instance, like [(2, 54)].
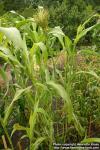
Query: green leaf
[(13, 35), (18, 127), (10, 107), (37, 143), (57, 32), (77, 125), (5, 50), (32, 120), (35, 36), (2, 55), (19, 93), (84, 32), (7, 55), (3, 74), (68, 106), (14, 12), (79, 29), (88, 52), (63, 93), (89, 19), (47, 75), (91, 140), (68, 44), (92, 73), (33, 50), (44, 51)]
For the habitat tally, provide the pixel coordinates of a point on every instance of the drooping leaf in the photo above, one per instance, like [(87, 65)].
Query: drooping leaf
[(2, 55), (68, 106), (6, 54), (5, 50), (63, 93), (18, 127), (57, 32), (13, 35), (10, 107)]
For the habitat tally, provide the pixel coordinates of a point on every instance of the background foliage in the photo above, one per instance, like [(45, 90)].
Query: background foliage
[(68, 14)]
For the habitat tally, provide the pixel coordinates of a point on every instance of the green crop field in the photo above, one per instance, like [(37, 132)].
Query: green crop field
[(49, 83)]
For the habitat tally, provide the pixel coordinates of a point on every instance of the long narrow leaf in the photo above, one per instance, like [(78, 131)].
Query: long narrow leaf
[(37, 143), (69, 108), (10, 107), (13, 35), (91, 140), (63, 93)]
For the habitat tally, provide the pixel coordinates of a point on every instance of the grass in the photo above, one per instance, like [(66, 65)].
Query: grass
[(48, 105)]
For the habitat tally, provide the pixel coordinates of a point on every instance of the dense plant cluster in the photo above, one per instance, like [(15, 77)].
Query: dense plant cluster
[(49, 89)]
